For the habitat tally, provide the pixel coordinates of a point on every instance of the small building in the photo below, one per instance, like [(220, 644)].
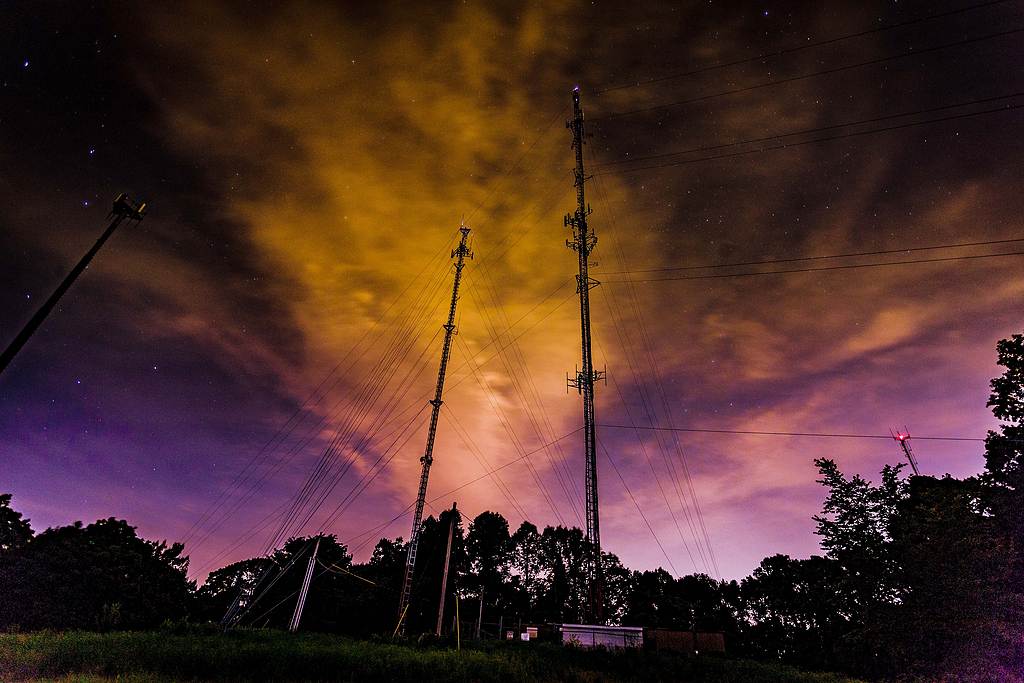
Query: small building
[(610, 637)]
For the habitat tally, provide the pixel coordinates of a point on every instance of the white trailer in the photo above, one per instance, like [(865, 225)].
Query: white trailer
[(610, 637)]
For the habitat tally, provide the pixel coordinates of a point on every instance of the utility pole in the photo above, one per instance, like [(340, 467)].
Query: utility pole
[(583, 241), (462, 253), (904, 441), (305, 589), (123, 209), (444, 577)]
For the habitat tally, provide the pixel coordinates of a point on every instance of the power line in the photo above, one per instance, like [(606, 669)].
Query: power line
[(808, 142), (821, 129), (285, 431), (815, 270), (649, 400), (812, 434), (629, 493), (374, 470), (468, 441), (509, 463), (825, 72), (313, 493), (468, 483), (366, 396), (483, 362), (512, 168), (796, 49), (818, 258), (528, 405)]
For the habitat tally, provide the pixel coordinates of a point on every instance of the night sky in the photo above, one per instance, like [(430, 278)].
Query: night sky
[(264, 344)]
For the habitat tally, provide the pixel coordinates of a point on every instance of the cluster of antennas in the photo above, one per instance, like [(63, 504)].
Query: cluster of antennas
[(126, 208)]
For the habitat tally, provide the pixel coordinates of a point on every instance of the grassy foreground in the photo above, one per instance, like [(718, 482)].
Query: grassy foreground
[(258, 656)]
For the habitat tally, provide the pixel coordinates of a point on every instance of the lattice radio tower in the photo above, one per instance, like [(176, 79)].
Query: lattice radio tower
[(462, 253), (582, 242), (902, 440)]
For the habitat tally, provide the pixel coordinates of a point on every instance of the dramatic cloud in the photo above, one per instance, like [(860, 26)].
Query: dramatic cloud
[(274, 324)]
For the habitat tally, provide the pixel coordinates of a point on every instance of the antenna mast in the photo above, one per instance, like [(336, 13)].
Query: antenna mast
[(123, 208), (582, 243), (462, 252)]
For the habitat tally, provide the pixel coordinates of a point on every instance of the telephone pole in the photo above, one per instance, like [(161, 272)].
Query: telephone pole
[(462, 253), (582, 242), (444, 577)]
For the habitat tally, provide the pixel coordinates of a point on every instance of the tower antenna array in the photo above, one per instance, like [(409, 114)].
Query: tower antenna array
[(462, 252), (582, 242)]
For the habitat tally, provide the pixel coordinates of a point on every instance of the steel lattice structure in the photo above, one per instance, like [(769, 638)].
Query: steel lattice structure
[(582, 243), (462, 252)]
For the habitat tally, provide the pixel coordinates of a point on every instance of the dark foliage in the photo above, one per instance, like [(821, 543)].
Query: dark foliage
[(795, 610), (690, 603), (954, 617), (1003, 480), (14, 531), (488, 548), (921, 584), (102, 576)]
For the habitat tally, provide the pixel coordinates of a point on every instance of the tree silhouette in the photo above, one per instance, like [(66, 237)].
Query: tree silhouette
[(488, 547), (14, 531), (102, 576)]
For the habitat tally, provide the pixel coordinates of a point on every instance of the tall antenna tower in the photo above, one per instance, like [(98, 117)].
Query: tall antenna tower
[(462, 253), (583, 241), (904, 441)]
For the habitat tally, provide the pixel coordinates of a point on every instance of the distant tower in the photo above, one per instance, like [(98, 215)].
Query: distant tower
[(904, 441), (462, 252), (582, 243)]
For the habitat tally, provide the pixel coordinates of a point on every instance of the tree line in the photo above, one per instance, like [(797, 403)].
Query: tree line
[(919, 576)]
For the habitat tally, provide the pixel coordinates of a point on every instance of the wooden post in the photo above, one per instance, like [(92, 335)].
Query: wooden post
[(480, 616), (444, 579)]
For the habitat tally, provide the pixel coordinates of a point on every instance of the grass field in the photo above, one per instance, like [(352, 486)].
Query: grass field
[(272, 656)]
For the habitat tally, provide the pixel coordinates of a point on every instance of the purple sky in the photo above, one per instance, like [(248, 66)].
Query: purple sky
[(307, 165)]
